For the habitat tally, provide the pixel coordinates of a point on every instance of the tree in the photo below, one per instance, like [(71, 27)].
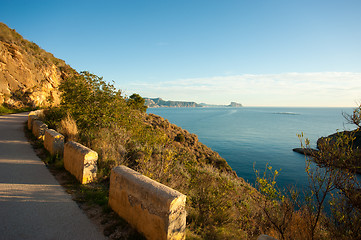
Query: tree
[(355, 117), (135, 101), (276, 206), (335, 176)]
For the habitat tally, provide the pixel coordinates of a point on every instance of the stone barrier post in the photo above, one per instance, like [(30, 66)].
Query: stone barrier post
[(39, 129), (54, 142), (33, 115), (152, 208), (80, 161)]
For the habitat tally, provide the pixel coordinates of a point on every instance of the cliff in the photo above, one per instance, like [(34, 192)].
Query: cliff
[(29, 76)]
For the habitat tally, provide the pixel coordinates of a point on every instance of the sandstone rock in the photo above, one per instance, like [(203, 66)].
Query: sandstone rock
[(29, 76)]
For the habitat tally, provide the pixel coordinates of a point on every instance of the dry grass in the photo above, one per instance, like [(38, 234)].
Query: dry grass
[(69, 128), (111, 145)]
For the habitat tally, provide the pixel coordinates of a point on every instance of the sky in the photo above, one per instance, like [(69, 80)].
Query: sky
[(255, 52)]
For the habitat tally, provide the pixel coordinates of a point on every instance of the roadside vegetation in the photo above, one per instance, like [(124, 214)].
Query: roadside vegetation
[(220, 205), (5, 109)]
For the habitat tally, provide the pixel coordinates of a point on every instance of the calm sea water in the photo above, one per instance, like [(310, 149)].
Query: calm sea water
[(254, 136)]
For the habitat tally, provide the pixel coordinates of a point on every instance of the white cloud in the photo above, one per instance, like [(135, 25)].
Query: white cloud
[(285, 89)]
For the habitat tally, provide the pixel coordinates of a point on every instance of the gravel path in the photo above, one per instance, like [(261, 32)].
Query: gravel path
[(32, 203)]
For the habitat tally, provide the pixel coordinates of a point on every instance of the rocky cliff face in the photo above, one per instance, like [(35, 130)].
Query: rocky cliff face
[(29, 76)]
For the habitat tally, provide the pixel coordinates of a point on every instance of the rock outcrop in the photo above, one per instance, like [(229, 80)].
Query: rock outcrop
[(355, 134), (29, 76), (305, 151)]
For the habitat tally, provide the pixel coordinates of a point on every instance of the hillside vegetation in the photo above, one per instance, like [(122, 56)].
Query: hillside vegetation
[(219, 204)]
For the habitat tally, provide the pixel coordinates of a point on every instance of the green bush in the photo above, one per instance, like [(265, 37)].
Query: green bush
[(135, 101), (5, 109), (180, 138)]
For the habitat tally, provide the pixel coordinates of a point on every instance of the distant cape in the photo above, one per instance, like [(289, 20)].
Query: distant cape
[(159, 102)]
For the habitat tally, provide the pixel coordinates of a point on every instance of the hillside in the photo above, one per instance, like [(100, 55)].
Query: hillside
[(183, 139), (29, 76)]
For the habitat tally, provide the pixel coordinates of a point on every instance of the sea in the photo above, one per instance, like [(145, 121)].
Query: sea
[(251, 138)]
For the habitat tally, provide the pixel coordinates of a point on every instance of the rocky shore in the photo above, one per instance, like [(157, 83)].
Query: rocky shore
[(350, 146)]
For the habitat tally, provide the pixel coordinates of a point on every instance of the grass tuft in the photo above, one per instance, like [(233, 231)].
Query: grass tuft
[(69, 128)]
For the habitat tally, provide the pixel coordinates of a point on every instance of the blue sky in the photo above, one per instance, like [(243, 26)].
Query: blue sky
[(256, 52)]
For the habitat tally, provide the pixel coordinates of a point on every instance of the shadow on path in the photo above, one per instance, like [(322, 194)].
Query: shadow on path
[(32, 203)]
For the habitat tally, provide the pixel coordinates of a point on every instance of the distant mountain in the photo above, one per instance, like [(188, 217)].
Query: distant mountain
[(159, 102), (232, 104)]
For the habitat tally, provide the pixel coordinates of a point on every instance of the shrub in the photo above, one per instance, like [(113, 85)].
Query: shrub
[(111, 144), (180, 138), (5, 110), (52, 117)]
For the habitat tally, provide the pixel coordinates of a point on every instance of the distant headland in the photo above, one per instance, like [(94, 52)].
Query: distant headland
[(159, 102)]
